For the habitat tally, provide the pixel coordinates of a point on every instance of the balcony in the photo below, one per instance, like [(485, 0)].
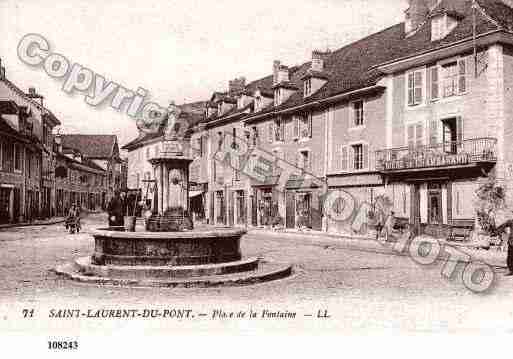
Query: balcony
[(466, 153)]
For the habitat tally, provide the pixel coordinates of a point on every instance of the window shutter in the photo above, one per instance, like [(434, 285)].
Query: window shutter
[(434, 84), (418, 87), (310, 125), (296, 127), (433, 132), (344, 158), (459, 129), (411, 89), (271, 131), (282, 130), (462, 76), (411, 136), (419, 135), (365, 148), (350, 156)]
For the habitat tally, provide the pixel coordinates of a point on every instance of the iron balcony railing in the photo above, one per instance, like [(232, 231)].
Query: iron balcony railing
[(438, 155)]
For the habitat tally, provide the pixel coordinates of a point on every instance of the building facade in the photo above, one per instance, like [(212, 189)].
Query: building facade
[(26, 172), (417, 114)]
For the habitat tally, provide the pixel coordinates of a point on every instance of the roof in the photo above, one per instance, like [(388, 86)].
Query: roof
[(46, 112), (356, 66), (91, 146)]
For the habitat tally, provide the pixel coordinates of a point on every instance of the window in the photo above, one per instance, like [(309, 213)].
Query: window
[(454, 78), (308, 87), (304, 126), (45, 134), (358, 113), (156, 150), (355, 157), (415, 135), (1, 155), (219, 139), (255, 135), (17, 157), (438, 28), (279, 130), (258, 103), (433, 132), (304, 160), (148, 152), (415, 87), (234, 138)]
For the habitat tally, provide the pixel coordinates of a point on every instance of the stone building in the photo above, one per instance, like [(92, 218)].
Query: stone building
[(79, 180), (26, 156)]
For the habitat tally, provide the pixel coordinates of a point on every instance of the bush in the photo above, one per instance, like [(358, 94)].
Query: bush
[(490, 198)]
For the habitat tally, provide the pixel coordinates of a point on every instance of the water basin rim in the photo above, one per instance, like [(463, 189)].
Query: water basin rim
[(198, 234)]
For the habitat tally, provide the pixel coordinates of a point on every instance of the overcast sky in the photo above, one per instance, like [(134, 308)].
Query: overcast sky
[(177, 50)]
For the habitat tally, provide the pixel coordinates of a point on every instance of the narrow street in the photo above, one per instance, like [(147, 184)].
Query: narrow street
[(360, 290)]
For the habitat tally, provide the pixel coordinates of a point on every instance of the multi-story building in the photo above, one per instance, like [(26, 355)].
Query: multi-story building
[(103, 151), (79, 180), (417, 112), (26, 174)]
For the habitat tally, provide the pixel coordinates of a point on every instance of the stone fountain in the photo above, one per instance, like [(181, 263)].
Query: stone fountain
[(169, 252)]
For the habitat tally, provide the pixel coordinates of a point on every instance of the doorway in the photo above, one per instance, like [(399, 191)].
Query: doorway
[(434, 202)]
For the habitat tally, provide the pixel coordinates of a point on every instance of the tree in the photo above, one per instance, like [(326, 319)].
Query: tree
[(490, 198)]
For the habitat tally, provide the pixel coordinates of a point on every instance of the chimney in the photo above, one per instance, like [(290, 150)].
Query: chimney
[(276, 66), (236, 86), (34, 95), (282, 74), (417, 13), (319, 59), (58, 142)]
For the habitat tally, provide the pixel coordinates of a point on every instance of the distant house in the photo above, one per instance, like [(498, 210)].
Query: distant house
[(103, 151)]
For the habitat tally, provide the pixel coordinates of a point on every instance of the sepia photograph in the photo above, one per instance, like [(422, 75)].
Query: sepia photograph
[(317, 169)]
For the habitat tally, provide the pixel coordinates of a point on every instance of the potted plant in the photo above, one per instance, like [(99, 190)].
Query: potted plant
[(490, 198)]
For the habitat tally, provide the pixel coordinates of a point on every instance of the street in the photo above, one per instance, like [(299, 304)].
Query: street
[(360, 291)]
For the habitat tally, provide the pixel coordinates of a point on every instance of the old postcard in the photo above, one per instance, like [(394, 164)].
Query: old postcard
[(175, 169)]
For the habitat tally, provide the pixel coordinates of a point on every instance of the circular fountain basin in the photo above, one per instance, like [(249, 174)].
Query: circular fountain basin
[(196, 247)]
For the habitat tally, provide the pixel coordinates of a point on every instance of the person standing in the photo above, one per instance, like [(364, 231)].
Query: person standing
[(115, 210), (508, 224)]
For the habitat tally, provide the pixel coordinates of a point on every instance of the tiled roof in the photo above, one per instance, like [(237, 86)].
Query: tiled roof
[(92, 146)]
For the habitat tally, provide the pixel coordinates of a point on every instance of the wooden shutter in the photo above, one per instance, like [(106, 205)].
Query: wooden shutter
[(462, 76), (271, 131), (296, 126), (365, 148), (411, 136), (418, 86), (345, 158), (282, 129), (411, 89), (310, 120), (435, 88), (459, 130), (433, 132), (418, 135)]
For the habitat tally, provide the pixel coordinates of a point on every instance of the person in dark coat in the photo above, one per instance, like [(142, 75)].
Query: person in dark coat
[(500, 229), (115, 209)]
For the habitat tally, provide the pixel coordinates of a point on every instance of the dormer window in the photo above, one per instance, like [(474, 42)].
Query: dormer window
[(308, 87), (441, 26), (258, 103), (277, 97)]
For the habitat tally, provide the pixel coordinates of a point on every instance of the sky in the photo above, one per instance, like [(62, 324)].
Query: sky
[(178, 51)]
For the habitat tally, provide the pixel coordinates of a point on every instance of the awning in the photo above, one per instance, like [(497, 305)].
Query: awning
[(195, 193)]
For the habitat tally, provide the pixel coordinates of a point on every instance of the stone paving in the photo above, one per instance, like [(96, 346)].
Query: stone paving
[(361, 290)]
